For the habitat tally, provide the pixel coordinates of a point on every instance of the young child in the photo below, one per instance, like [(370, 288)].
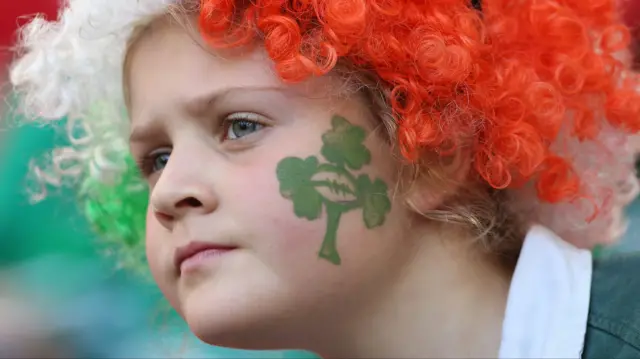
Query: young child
[(356, 178)]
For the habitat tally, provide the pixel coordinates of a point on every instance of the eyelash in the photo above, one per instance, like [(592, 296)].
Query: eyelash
[(146, 163)]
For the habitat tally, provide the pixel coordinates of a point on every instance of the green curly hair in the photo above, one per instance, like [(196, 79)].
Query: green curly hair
[(117, 212)]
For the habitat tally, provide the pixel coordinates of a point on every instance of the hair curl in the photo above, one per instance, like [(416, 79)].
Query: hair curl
[(534, 91)]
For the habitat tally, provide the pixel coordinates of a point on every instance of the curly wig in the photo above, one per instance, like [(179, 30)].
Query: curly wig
[(538, 93)]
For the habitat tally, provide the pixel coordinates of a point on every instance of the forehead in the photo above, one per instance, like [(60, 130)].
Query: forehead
[(170, 63), (170, 66)]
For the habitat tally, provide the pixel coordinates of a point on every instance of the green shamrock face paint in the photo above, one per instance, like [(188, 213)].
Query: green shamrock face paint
[(300, 181)]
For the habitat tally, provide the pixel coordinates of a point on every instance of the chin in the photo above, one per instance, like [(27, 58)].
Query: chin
[(241, 339), (239, 321), (240, 332)]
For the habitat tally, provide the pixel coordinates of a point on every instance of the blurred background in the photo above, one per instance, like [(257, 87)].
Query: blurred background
[(59, 298)]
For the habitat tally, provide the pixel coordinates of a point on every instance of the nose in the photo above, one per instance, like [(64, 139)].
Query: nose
[(184, 188)]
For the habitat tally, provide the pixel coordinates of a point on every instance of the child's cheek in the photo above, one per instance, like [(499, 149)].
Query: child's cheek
[(157, 251), (151, 241), (285, 249), (269, 219)]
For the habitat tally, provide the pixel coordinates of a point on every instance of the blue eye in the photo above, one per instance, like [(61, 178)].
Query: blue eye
[(159, 161), (154, 161), (239, 125)]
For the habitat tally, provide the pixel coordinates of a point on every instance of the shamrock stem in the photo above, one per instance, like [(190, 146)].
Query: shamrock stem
[(329, 250)]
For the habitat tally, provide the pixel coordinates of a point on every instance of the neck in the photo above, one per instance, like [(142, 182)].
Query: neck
[(447, 302)]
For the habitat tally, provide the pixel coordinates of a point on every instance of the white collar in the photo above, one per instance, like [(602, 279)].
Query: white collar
[(548, 303)]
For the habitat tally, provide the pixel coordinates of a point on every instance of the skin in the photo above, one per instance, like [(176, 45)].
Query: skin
[(400, 289)]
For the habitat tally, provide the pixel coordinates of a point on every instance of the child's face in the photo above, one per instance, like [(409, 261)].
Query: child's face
[(272, 171)]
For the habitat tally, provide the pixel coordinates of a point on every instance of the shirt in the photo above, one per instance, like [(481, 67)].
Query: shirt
[(548, 303)]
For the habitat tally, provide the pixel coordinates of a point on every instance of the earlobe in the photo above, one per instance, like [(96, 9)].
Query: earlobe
[(436, 182)]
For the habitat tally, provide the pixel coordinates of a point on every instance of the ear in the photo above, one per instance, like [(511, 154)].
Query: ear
[(438, 179)]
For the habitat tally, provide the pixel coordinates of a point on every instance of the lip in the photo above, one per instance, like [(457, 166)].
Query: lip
[(192, 249)]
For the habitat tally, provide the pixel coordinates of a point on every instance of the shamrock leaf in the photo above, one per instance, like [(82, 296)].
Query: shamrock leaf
[(295, 175), (375, 202), (342, 145)]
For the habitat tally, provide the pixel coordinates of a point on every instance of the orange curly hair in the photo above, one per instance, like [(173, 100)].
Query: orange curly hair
[(508, 82)]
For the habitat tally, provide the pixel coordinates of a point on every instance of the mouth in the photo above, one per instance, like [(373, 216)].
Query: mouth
[(192, 255)]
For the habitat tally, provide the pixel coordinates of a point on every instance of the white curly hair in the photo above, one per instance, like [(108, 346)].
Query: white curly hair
[(73, 68)]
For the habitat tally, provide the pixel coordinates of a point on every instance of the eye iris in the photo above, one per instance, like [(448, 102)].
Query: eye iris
[(243, 128), (160, 161)]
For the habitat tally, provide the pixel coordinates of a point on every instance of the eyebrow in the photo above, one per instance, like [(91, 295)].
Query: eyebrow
[(197, 107)]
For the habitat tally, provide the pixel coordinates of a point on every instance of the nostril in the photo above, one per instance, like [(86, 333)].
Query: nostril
[(189, 202)]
